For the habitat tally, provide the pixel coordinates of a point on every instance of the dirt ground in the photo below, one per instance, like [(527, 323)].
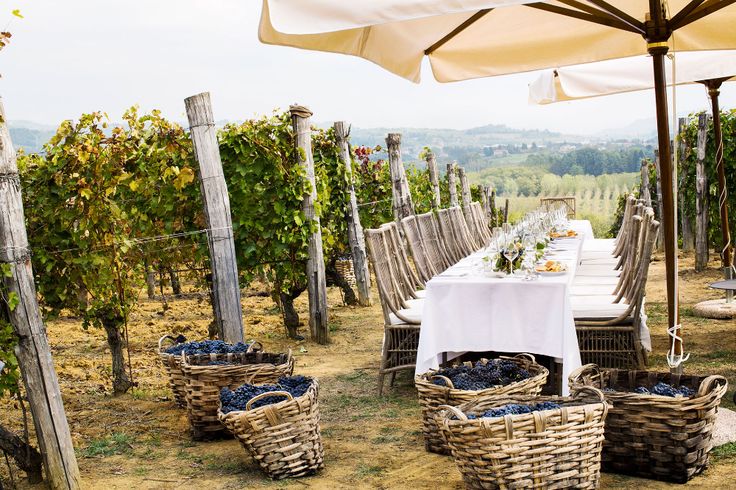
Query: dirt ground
[(141, 440)]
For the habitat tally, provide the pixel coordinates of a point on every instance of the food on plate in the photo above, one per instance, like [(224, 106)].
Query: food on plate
[(551, 266), (563, 234)]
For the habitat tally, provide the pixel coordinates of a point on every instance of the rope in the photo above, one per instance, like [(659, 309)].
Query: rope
[(373, 202), (675, 359)]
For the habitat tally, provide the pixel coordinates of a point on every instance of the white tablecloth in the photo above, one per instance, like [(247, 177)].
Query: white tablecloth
[(465, 311), (583, 227)]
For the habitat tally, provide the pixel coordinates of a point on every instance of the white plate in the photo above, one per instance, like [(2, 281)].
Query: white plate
[(551, 274)]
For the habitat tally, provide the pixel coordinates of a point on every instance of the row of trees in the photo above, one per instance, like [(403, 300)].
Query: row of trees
[(106, 204)]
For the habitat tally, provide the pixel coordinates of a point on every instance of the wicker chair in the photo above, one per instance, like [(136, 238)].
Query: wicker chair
[(401, 323), (460, 224), (405, 276), (481, 222), (433, 244), (422, 262), (608, 333), (449, 236)]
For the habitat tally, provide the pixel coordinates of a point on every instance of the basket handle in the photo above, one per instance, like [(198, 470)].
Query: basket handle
[(586, 369), (591, 390), (285, 394), (253, 348), (707, 385), (448, 382), (164, 338), (460, 415), (525, 355)]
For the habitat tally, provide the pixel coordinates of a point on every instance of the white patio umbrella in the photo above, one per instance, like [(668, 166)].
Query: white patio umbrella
[(710, 68), (478, 38), (628, 75)]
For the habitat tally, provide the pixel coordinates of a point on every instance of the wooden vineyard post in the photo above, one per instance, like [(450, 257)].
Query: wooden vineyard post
[(467, 199), (492, 205), (452, 182), (660, 209), (402, 202), (487, 199), (688, 240), (701, 198), (316, 280), (506, 211), (225, 287), (644, 187), (355, 230), (434, 180), (33, 352)]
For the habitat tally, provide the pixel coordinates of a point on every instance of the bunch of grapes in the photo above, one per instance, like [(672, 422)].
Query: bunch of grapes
[(207, 347), (498, 372), (663, 389), (235, 400), (515, 409)]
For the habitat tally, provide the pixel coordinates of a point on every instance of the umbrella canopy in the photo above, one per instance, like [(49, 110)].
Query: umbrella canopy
[(479, 38), (628, 75), (710, 68)]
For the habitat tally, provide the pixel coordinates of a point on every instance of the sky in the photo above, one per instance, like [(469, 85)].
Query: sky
[(77, 56)]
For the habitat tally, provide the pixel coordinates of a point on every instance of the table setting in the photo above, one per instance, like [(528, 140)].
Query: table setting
[(511, 296)]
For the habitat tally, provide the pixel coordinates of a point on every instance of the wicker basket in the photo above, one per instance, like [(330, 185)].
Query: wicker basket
[(172, 365), (284, 437), (559, 448), (205, 381), (432, 396), (655, 436)]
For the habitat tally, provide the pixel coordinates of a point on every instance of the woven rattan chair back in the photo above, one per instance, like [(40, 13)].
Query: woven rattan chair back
[(407, 277), (433, 244), (481, 223), (419, 254), (389, 292), (449, 235), (460, 224)]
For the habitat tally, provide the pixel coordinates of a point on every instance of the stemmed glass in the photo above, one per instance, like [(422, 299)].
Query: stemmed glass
[(510, 252)]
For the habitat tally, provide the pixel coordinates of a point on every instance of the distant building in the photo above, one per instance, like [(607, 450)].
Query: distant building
[(567, 148)]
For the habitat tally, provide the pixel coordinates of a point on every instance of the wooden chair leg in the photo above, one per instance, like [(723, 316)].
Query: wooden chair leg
[(392, 378)]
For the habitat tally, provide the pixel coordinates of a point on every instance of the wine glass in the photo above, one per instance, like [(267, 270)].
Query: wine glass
[(510, 252)]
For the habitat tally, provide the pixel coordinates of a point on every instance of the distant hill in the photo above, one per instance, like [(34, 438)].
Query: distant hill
[(29, 136)]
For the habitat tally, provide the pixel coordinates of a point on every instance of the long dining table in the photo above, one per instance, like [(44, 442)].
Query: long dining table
[(468, 310)]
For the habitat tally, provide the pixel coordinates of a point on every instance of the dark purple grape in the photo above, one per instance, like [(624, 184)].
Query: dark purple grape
[(236, 400)]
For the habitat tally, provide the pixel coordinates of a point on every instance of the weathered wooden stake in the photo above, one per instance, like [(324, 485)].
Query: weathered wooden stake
[(402, 202), (494, 213), (644, 186), (452, 182), (467, 199), (316, 281), (686, 225), (701, 197), (660, 209), (487, 199), (352, 216), (434, 179), (225, 287), (33, 353)]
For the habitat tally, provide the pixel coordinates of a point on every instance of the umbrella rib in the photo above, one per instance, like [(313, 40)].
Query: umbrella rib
[(707, 8), (594, 18), (470, 21), (675, 21), (619, 14)]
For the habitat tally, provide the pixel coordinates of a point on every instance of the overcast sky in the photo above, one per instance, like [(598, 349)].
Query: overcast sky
[(78, 56)]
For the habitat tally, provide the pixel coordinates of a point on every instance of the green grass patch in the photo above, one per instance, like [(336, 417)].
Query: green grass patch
[(117, 443), (364, 470), (727, 451)]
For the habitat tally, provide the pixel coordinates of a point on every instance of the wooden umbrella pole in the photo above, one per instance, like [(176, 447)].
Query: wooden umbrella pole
[(658, 50), (714, 91)]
